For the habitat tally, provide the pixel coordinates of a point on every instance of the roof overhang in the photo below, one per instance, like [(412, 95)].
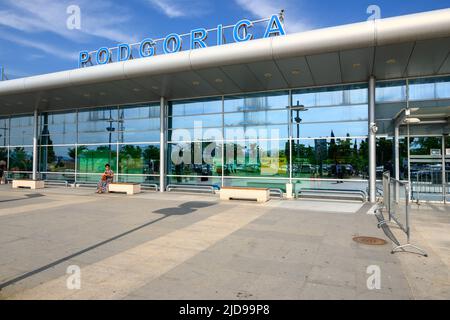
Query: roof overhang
[(405, 46)]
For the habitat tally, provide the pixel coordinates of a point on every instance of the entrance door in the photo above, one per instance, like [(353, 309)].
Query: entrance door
[(427, 173)]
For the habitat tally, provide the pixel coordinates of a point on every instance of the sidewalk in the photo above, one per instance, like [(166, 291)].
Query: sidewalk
[(185, 246)]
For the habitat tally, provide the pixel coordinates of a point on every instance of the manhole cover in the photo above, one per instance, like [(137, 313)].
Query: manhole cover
[(370, 241)]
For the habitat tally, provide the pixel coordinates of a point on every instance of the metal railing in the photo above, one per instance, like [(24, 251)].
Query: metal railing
[(275, 192), (344, 194), (150, 186), (191, 188), (427, 185), (396, 202)]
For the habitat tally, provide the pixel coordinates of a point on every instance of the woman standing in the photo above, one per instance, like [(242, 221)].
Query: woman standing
[(107, 178)]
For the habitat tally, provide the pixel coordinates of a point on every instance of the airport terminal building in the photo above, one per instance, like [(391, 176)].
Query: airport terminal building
[(330, 108)]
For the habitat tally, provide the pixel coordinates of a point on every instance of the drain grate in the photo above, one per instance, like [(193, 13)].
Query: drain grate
[(372, 241)]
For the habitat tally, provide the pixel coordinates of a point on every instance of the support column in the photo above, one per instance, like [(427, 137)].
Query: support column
[(35, 146), (163, 145), (372, 141), (397, 158)]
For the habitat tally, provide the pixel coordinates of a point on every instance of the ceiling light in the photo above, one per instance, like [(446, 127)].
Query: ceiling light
[(268, 75), (195, 83), (19, 102), (86, 95), (44, 100), (295, 72), (391, 61), (136, 89), (57, 98), (155, 88), (102, 93), (218, 80), (356, 65)]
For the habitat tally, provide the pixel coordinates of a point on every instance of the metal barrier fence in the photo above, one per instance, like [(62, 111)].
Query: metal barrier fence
[(396, 202), (427, 185)]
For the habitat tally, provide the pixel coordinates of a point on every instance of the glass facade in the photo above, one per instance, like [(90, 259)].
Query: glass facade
[(76, 145), (312, 137)]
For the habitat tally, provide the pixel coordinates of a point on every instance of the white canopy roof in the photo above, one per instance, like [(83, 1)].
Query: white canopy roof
[(405, 46)]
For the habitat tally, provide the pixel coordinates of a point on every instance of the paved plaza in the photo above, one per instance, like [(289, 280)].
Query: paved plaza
[(188, 246)]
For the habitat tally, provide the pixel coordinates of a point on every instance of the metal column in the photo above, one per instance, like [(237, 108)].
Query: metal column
[(35, 146), (397, 158), (372, 141), (163, 144), (443, 171)]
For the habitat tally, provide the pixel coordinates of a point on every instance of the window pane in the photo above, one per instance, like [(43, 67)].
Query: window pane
[(21, 132), (58, 128), (192, 107), (213, 120), (3, 159), (195, 158), (338, 129), (330, 158), (57, 159), (139, 159), (98, 126), (344, 113), (139, 123), (330, 96), (4, 131), (256, 118), (256, 158), (21, 159), (257, 132), (92, 159), (256, 102), (390, 91), (206, 134)]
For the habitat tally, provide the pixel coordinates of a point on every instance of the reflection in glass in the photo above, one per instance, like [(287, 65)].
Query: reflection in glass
[(257, 102), (330, 158), (98, 125), (4, 131), (336, 129), (257, 158), (331, 96), (139, 159), (195, 107), (58, 128), (57, 159), (195, 158), (21, 130), (139, 123), (390, 91), (92, 159), (4, 158), (429, 88), (21, 159)]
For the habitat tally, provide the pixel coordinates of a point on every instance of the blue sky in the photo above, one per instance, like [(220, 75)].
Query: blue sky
[(35, 39)]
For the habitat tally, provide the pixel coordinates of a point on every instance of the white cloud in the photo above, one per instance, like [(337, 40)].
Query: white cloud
[(98, 19), (49, 49), (169, 9), (266, 8), (182, 8)]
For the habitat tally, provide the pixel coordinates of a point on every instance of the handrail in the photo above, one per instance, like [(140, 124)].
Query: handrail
[(276, 192), (50, 181), (150, 186), (190, 187), (360, 193)]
